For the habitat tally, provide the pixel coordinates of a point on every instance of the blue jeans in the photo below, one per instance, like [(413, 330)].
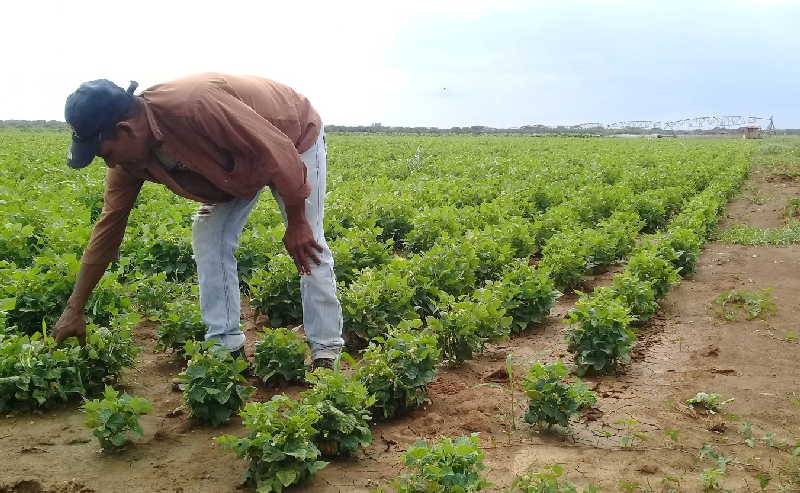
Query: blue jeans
[(215, 237)]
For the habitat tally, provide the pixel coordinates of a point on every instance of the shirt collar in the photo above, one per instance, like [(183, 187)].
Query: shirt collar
[(151, 119)]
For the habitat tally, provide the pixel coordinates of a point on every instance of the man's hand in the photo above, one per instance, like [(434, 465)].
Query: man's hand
[(71, 323), (299, 242), (299, 239)]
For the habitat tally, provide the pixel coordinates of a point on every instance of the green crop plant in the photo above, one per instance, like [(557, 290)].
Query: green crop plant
[(635, 294), (646, 265), (279, 447), (280, 354), (114, 419), (375, 300), (214, 386), (344, 406), (599, 333), (397, 369), (179, 322), (37, 373), (464, 327), (446, 466), (551, 400), (275, 291), (528, 295)]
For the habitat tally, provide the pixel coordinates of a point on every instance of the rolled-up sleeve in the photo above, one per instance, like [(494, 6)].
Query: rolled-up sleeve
[(121, 191), (252, 141)]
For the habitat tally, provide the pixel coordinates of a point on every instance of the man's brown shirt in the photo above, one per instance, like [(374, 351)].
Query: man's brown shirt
[(230, 136)]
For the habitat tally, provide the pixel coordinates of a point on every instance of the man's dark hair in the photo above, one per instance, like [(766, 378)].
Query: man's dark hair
[(135, 109)]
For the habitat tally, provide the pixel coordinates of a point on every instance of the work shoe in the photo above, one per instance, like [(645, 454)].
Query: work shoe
[(322, 363)]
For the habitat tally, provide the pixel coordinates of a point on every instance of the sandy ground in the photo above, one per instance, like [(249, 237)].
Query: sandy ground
[(684, 350)]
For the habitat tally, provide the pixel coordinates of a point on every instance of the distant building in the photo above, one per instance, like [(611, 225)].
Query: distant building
[(751, 132)]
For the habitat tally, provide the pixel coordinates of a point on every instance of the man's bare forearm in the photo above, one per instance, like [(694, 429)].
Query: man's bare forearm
[(88, 277)]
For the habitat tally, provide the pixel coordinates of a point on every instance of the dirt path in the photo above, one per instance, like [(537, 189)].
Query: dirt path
[(685, 350)]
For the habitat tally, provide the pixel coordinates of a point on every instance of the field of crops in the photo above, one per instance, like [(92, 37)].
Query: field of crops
[(443, 246)]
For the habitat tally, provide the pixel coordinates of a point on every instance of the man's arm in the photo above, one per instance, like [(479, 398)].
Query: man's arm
[(236, 127), (120, 195)]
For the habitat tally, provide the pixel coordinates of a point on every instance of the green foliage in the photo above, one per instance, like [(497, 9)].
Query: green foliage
[(281, 353), (376, 299), (743, 234), (397, 369), (464, 327), (163, 245), (681, 247), (215, 387), (599, 334), (35, 372), (565, 257), (42, 291), (430, 224), (792, 207), (446, 466), (276, 291), (530, 294), (179, 322), (151, 293), (646, 265), (344, 408), (279, 447), (493, 254), (755, 304), (551, 400), (448, 267), (356, 249), (114, 418), (547, 481), (635, 294), (612, 240), (709, 402)]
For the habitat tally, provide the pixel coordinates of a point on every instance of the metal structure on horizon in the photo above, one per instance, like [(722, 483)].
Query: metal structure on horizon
[(726, 122)]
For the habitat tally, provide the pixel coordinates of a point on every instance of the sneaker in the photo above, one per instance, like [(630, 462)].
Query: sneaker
[(239, 353), (322, 363), (178, 384)]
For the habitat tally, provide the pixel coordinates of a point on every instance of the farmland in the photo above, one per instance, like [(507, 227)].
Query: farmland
[(456, 255)]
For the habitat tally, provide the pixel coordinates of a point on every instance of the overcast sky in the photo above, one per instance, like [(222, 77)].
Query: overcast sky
[(433, 62)]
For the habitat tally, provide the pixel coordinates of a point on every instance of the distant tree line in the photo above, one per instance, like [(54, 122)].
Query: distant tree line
[(34, 124), (377, 128)]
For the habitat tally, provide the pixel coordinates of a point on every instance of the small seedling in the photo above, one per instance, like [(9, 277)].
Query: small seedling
[(746, 430), (547, 481), (114, 419), (755, 304), (510, 372), (709, 402), (763, 479), (631, 432), (672, 434), (712, 478)]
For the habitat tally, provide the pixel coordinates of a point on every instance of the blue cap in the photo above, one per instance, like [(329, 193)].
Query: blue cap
[(95, 107)]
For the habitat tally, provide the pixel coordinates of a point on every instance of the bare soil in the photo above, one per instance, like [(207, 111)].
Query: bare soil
[(686, 349)]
